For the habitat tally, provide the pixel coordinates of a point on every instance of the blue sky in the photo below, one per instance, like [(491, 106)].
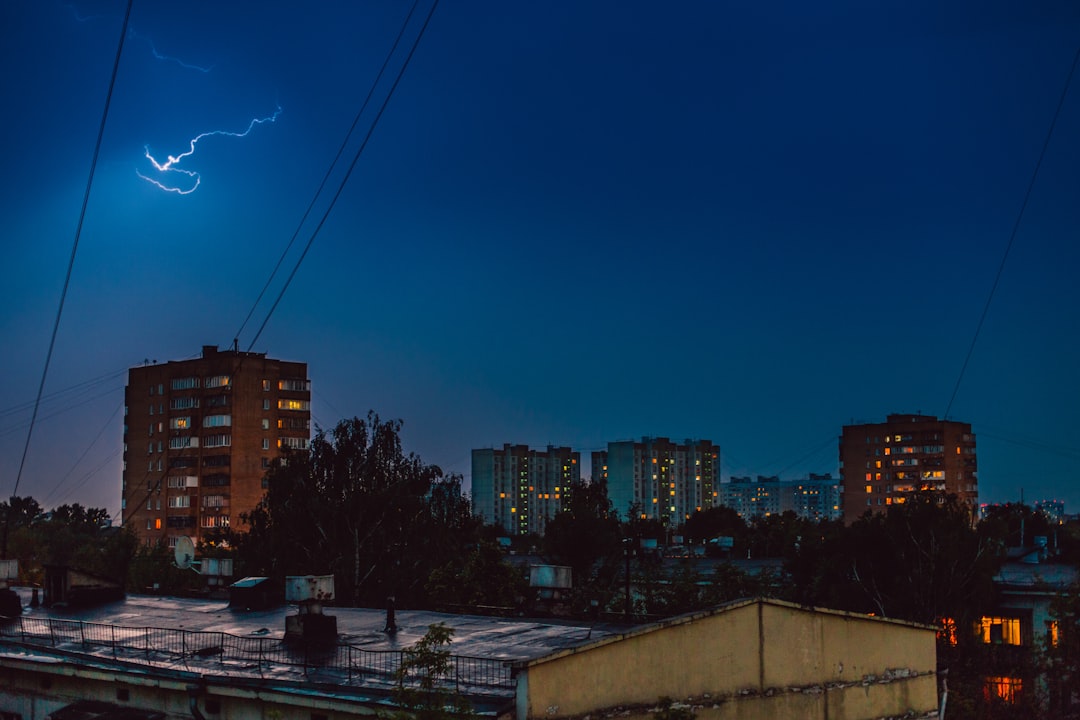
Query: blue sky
[(575, 222)]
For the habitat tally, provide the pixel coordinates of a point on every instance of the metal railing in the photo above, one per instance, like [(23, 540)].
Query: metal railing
[(226, 654)]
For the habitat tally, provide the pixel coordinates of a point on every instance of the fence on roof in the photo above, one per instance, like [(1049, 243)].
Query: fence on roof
[(224, 653)]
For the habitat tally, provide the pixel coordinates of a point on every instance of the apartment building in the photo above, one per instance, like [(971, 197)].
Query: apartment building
[(884, 463), (658, 478), (521, 489), (816, 497), (211, 427)]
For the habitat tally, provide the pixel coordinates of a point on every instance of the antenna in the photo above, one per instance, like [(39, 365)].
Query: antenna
[(184, 554)]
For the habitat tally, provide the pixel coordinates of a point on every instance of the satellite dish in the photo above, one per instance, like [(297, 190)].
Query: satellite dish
[(184, 552)]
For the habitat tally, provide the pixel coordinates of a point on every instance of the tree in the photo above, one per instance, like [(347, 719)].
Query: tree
[(585, 532), (424, 675), (358, 507), (717, 521)]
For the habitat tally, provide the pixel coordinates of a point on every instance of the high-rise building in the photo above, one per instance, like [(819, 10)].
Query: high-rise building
[(816, 497), (520, 489), (884, 463), (659, 479), (211, 426)]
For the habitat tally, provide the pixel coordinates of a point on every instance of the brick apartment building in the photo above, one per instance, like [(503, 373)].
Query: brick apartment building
[(884, 463), (211, 428)]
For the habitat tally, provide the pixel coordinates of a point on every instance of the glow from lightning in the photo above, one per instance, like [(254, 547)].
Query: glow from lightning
[(169, 165)]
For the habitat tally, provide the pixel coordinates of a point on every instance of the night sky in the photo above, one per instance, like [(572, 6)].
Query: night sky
[(751, 222)]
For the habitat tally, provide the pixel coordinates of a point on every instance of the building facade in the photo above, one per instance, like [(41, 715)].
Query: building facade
[(520, 489), (884, 463), (816, 497), (659, 479), (211, 427)]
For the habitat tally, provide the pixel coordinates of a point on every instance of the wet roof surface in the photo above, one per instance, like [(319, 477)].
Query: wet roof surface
[(167, 634), (474, 635)]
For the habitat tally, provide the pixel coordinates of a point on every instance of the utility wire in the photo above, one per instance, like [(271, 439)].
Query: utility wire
[(348, 173), (74, 248), (329, 172), (1012, 235)]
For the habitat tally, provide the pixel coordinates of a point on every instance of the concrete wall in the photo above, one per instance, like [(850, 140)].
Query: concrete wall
[(33, 689), (755, 659)]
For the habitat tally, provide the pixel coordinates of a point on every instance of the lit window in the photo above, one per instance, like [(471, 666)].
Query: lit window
[(157, 524), (294, 405), (869, 488), (1000, 630), (1008, 689), (179, 423), (218, 381)]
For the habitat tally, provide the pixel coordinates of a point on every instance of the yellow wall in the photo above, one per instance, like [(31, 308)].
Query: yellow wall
[(748, 648)]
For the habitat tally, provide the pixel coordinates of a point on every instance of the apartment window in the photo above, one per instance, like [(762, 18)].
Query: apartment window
[(150, 466), (294, 443), (266, 385), (1000, 630), (150, 448), (266, 443), (180, 501), (266, 404), (212, 441), (151, 409), (265, 424), (180, 423), (214, 501), (160, 389), (149, 505), (217, 421), (294, 405), (159, 446), (178, 443), (151, 389), (216, 401), (218, 381), (183, 403), (294, 385), (159, 465), (183, 481), (185, 383), (149, 523)]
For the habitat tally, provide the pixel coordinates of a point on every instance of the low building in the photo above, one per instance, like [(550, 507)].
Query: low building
[(190, 658)]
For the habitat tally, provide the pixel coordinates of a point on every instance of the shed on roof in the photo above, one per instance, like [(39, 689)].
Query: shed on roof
[(76, 588), (255, 593)]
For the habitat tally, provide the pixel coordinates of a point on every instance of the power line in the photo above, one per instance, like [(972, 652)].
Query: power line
[(1012, 235), (348, 173), (74, 248), (329, 171)]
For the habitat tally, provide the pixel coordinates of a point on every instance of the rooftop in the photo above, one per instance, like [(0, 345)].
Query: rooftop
[(192, 637)]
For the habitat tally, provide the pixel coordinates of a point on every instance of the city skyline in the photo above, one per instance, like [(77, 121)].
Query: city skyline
[(572, 225)]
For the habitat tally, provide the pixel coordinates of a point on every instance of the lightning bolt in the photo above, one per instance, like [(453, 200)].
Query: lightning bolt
[(169, 58), (170, 163)]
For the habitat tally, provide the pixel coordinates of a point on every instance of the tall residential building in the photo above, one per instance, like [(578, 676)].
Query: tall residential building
[(520, 489), (211, 427), (816, 497), (884, 463), (659, 479)]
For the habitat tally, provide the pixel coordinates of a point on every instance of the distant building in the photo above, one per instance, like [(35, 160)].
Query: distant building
[(211, 427), (520, 489), (816, 497), (659, 479), (884, 463)]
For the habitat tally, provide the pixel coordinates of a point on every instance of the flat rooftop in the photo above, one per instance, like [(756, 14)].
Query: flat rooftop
[(194, 637)]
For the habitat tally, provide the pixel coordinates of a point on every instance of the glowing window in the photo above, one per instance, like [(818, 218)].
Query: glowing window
[(1008, 689), (869, 488), (1000, 630)]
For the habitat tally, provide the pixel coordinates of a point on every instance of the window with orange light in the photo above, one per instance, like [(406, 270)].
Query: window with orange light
[(999, 630), (947, 631), (1009, 689)]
